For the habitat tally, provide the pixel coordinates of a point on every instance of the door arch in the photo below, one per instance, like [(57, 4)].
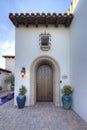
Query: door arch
[(44, 83), (56, 78)]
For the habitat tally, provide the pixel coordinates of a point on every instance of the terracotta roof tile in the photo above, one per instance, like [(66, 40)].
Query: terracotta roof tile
[(41, 19)]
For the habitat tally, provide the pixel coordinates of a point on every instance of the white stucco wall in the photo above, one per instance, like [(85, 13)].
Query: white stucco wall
[(28, 49), (78, 58), (3, 76), (10, 64)]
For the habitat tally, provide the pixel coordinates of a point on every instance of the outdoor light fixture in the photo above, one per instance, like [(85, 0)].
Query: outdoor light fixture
[(23, 72)]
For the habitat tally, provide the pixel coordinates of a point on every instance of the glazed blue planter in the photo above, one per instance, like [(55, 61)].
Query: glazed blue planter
[(21, 101), (67, 102)]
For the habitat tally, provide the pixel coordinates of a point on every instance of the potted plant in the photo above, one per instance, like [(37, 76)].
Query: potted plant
[(21, 98), (10, 80), (66, 98), (0, 88)]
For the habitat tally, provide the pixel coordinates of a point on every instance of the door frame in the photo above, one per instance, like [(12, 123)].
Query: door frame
[(56, 79)]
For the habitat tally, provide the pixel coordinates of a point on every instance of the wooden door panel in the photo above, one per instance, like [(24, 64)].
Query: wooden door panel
[(44, 80)]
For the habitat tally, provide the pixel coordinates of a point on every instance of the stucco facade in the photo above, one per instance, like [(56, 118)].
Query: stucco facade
[(10, 63), (78, 58), (28, 50)]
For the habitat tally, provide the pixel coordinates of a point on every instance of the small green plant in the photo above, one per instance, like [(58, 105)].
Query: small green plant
[(67, 90), (0, 88), (22, 90), (10, 79)]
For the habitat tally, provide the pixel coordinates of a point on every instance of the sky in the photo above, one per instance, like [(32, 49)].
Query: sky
[(7, 29)]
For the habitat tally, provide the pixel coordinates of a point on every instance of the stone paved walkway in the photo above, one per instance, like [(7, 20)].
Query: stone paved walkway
[(43, 116)]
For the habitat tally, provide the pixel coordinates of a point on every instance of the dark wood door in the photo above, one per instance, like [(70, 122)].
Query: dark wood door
[(44, 80)]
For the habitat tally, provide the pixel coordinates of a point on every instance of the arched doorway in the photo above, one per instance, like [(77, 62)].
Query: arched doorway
[(38, 62), (44, 83)]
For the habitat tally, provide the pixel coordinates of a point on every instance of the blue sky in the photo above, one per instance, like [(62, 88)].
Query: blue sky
[(7, 30)]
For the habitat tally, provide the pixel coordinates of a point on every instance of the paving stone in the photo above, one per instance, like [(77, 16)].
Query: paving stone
[(42, 116)]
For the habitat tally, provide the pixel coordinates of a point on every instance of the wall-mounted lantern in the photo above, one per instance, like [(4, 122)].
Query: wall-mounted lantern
[(23, 71)]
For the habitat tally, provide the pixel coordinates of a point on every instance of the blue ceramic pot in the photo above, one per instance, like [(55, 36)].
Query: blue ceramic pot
[(67, 102), (21, 101)]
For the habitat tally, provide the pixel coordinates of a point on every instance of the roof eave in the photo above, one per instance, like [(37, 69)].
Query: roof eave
[(41, 19)]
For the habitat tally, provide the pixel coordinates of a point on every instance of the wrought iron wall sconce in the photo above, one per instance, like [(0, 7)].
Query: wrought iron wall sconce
[(23, 71)]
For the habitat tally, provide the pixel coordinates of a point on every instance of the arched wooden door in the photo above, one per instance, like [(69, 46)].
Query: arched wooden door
[(44, 83)]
